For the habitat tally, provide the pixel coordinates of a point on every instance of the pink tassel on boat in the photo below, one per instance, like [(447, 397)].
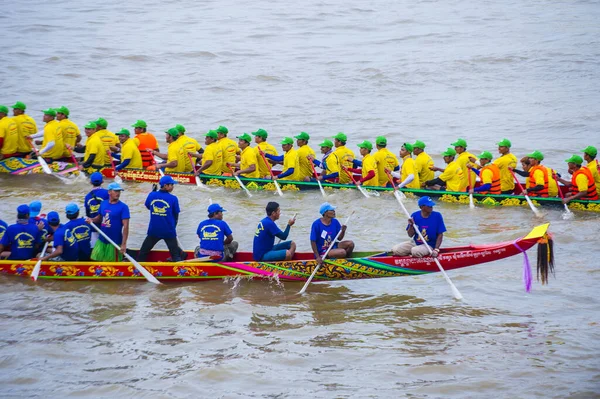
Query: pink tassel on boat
[(526, 268)]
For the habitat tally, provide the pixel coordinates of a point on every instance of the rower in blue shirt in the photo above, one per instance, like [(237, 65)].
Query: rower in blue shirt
[(35, 208), (216, 239), (164, 215), (3, 227), (323, 232), (92, 202), (81, 230), (65, 243), (264, 248), (23, 237)]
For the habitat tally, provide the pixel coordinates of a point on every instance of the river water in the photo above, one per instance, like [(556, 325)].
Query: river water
[(428, 70)]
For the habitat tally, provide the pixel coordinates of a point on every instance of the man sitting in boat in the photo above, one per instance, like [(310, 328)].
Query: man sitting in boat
[(108, 138), (70, 132), (264, 248), (324, 230), (489, 175), (216, 238), (52, 144), (66, 247), (432, 227), (23, 237), (38, 219), (408, 175), (463, 158), (95, 154), (26, 126), (248, 165), (385, 160), (582, 182), (344, 157), (589, 155), (131, 158), (9, 134), (3, 227), (81, 231), (191, 149), (212, 158), (260, 138), (423, 163), (328, 163), (145, 141), (228, 146), (368, 163), (305, 172), (451, 177), (175, 156), (289, 159), (504, 163)]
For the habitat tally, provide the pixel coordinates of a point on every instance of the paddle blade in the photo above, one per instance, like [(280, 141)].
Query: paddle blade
[(36, 270), (44, 165), (278, 187), (118, 179), (363, 191), (142, 270), (471, 202)]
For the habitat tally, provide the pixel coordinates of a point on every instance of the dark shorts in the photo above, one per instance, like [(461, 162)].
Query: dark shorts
[(278, 252)]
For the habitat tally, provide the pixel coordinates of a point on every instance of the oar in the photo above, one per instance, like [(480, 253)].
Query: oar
[(471, 202), (38, 265), (562, 196), (317, 177), (360, 188), (535, 211), (73, 157), (324, 256), (40, 158), (117, 178), (262, 154), (140, 268), (240, 182), (455, 291), (160, 172), (397, 192), (197, 178)]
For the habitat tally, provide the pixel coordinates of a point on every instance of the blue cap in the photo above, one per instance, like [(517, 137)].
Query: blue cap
[(212, 208), (53, 217), (35, 207), (72, 208), (96, 178), (23, 209), (115, 187), (166, 179), (326, 206), (426, 201)]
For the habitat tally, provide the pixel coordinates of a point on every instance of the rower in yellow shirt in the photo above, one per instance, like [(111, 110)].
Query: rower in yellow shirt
[(191, 149), (70, 132), (289, 160), (26, 127), (468, 177), (52, 144), (504, 162), (385, 160), (369, 166), (305, 172), (260, 138), (109, 139), (423, 163), (131, 158), (248, 159), (589, 155), (408, 177), (451, 179), (175, 156), (95, 155), (212, 159), (344, 156), (228, 146), (9, 134), (329, 164)]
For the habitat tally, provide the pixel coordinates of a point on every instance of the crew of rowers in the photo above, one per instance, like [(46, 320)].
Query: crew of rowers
[(338, 164)]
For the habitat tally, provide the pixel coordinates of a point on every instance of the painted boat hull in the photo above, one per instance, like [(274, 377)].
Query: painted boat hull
[(365, 265)]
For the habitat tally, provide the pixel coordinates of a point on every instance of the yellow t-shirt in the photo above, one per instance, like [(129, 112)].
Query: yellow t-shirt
[(486, 176), (267, 148), (189, 145), (552, 184), (582, 182), (385, 160), (95, 146), (593, 167), (70, 133), (230, 150), (408, 168), (422, 163), (53, 132), (247, 158), (175, 153), (332, 165), (108, 138), (130, 151), (290, 160), (303, 163), (369, 164), (452, 176), (462, 160), (213, 152), (345, 156), (507, 181), (26, 126), (10, 132)]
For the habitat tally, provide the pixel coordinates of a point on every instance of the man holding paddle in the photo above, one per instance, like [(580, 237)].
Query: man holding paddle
[(260, 138), (26, 126), (305, 170), (248, 158), (95, 153), (23, 237), (328, 163), (229, 148), (9, 134), (70, 132), (289, 159), (131, 158), (324, 230)]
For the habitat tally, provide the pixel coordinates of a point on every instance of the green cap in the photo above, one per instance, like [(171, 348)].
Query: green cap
[(460, 143), (303, 136), (450, 152), (3, 109), (536, 155), (287, 141), (172, 132), (504, 143), (245, 137), (408, 147), (380, 140), (576, 159), (101, 122), (222, 130), (486, 155), (180, 128), (365, 144), (419, 144), (341, 137), (261, 133), (140, 123), (211, 133), (90, 125), (590, 150), (124, 132), (19, 105), (326, 143), (62, 110), (49, 111)]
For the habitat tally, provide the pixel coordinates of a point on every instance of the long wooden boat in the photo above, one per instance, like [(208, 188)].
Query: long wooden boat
[(23, 166), (363, 265)]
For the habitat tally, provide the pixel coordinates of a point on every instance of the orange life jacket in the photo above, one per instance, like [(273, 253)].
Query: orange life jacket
[(531, 182), (592, 194), (147, 142), (495, 189)]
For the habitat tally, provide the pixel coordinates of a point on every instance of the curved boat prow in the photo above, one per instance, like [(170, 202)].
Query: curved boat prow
[(537, 232)]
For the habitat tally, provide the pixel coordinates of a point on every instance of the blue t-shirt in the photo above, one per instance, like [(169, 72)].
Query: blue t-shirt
[(212, 233), (264, 237), (164, 210), (63, 236), (82, 232), (45, 230), (323, 235), (430, 227), (112, 220), (22, 238), (93, 200), (3, 227)]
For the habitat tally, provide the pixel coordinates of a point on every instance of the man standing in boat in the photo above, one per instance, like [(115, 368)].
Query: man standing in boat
[(289, 159), (9, 134), (92, 202), (26, 126), (305, 171), (130, 155), (146, 142), (216, 239), (23, 237), (324, 230), (248, 158), (504, 163), (264, 248), (432, 227)]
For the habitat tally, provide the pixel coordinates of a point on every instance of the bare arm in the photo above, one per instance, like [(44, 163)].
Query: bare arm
[(125, 235)]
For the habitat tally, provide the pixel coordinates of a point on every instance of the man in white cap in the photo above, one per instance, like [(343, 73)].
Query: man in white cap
[(324, 230)]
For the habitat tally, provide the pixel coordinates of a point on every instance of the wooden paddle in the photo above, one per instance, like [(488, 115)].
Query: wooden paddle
[(533, 208), (562, 196), (240, 182), (36, 269), (471, 202), (160, 172), (455, 291), (360, 188), (140, 268), (40, 158), (317, 177), (324, 256), (262, 154), (73, 157), (197, 178), (117, 178)]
